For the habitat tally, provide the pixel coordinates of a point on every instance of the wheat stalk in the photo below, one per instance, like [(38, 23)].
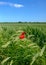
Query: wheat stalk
[(42, 51), (11, 62), (6, 59), (34, 58), (4, 46)]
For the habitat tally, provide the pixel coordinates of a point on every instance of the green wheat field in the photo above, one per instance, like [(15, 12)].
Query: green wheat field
[(28, 51)]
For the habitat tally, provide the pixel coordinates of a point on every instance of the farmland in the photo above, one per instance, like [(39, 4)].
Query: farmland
[(31, 50)]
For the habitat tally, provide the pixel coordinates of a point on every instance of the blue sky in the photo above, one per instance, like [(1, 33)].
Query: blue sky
[(22, 10)]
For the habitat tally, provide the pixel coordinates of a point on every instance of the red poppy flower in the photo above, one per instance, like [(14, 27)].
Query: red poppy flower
[(22, 36)]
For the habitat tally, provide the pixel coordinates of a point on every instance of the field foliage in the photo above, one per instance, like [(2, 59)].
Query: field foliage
[(28, 51)]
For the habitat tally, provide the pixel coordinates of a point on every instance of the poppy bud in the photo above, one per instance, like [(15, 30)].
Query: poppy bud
[(23, 33)]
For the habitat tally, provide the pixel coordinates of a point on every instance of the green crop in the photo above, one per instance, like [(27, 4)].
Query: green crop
[(28, 51)]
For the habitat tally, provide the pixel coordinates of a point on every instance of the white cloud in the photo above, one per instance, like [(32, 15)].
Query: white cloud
[(12, 4), (18, 5)]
